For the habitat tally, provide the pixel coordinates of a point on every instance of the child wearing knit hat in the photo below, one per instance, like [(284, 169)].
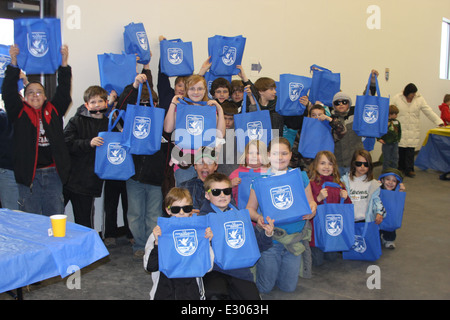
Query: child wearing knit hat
[(348, 141)]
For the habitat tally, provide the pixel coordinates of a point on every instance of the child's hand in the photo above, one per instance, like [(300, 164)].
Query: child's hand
[(323, 194), (65, 56), (235, 182), (313, 206), (323, 117), (381, 141), (156, 233), (260, 221), (343, 193), (140, 78), (378, 218), (208, 233), (268, 227), (402, 187), (97, 142), (213, 103), (304, 100)]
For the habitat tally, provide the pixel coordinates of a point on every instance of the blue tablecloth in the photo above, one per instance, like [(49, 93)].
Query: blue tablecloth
[(28, 254), (435, 154)]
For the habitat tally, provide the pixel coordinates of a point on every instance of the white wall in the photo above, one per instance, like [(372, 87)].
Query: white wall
[(286, 36)]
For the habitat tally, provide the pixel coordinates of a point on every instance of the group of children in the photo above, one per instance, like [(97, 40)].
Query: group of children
[(198, 184)]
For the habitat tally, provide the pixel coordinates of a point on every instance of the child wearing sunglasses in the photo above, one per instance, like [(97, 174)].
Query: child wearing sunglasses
[(177, 203), (236, 284), (347, 142), (363, 189)]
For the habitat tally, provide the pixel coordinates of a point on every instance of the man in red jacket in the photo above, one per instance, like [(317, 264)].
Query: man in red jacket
[(41, 158)]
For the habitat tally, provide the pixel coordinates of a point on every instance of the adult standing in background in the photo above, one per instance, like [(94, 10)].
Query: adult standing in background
[(410, 103)]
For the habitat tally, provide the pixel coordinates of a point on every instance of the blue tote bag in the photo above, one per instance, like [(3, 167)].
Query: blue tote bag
[(5, 59), (226, 53), (112, 160), (234, 242), (367, 244), (282, 197), (255, 125), (116, 71), (177, 58), (325, 84), (183, 250), (315, 136), (245, 186), (334, 227), (143, 127), (289, 90), (371, 114), (394, 203), (39, 42), (136, 42), (195, 125)]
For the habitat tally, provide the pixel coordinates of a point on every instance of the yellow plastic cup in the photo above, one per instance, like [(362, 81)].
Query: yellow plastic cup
[(59, 225)]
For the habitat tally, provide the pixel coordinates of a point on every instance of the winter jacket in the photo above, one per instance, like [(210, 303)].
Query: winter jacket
[(26, 122), (409, 117), (349, 141), (6, 142), (78, 133)]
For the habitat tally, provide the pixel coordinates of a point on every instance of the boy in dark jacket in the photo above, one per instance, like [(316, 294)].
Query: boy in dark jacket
[(236, 284), (41, 158), (81, 135)]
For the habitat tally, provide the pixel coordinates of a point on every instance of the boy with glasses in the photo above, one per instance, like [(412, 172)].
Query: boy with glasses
[(236, 284), (178, 204), (41, 158)]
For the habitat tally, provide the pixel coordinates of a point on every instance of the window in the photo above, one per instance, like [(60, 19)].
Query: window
[(7, 34), (444, 72)]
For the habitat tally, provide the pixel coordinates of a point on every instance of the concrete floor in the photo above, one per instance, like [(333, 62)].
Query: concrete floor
[(418, 269)]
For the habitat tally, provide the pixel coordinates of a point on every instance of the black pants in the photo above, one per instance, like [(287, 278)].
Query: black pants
[(82, 206), (220, 286), (115, 190), (406, 159)]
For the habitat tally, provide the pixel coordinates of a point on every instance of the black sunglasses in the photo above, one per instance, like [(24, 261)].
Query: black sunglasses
[(176, 209), (337, 102), (95, 111), (360, 163), (216, 192)]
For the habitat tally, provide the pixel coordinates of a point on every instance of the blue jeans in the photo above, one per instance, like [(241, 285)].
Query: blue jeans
[(390, 155), (9, 191), (144, 208), (277, 267), (45, 196)]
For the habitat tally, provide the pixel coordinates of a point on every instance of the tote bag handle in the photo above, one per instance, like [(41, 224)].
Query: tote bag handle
[(376, 83), (201, 103), (244, 103), (334, 185), (120, 116), (149, 93)]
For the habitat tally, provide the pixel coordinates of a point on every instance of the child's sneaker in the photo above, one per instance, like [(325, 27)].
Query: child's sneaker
[(387, 244)]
